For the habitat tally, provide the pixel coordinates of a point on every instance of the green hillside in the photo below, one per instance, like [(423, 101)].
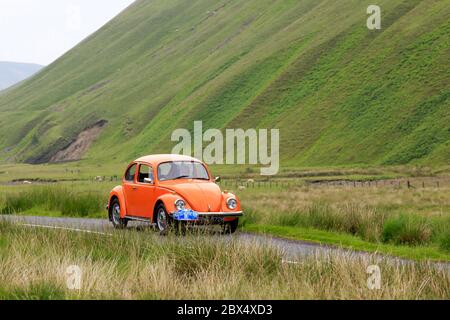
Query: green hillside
[(339, 93)]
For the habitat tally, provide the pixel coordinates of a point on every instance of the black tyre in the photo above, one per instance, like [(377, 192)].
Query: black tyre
[(180, 227), (231, 227), (115, 218)]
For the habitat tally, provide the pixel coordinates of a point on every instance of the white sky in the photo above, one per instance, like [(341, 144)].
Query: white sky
[(40, 31)]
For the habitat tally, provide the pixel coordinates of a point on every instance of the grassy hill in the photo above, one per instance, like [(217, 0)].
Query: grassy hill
[(340, 94), (14, 72)]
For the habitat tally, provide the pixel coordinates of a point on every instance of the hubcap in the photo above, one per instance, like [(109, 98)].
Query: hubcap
[(116, 213), (162, 221)]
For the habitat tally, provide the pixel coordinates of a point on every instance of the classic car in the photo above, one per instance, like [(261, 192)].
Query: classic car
[(172, 190)]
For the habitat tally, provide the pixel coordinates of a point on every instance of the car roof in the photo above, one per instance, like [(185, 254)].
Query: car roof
[(160, 158)]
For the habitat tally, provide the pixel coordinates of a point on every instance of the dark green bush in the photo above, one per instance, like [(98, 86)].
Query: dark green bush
[(291, 219), (407, 229), (250, 217), (444, 241), (54, 198)]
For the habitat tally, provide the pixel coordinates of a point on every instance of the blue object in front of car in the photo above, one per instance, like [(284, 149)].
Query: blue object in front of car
[(185, 215)]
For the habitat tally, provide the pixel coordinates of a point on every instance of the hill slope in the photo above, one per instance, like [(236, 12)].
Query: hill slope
[(14, 72), (339, 93)]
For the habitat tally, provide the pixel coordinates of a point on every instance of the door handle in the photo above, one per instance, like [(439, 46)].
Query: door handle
[(134, 188)]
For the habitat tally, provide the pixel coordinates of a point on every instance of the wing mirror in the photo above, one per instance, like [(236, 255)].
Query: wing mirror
[(218, 179), (148, 180)]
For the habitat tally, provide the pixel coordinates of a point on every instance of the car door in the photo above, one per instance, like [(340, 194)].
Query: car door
[(130, 188), (144, 192)]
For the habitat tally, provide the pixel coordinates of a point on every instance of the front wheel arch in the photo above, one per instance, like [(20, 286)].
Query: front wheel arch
[(155, 209), (168, 219)]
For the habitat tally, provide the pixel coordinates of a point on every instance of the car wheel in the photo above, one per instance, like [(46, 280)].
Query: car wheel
[(163, 221), (231, 227), (116, 220)]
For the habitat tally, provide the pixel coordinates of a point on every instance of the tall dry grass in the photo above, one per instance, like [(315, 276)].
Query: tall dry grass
[(140, 265), (378, 214)]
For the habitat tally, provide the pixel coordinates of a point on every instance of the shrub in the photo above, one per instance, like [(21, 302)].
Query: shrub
[(54, 198), (292, 219), (407, 229), (320, 215), (250, 217), (353, 218), (444, 241)]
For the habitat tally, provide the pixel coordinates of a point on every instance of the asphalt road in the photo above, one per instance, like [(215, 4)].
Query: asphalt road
[(293, 250)]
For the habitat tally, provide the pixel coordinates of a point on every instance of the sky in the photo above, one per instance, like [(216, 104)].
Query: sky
[(40, 31)]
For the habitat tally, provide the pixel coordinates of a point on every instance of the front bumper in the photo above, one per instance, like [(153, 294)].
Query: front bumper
[(190, 215)]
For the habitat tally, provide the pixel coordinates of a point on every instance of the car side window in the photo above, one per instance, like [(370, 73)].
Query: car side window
[(129, 176), (145, 172)]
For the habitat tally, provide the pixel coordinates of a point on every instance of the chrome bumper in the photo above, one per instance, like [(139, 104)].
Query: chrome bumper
[(221, 214)]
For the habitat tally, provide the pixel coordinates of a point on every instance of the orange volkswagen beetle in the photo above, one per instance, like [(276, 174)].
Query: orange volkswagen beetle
[(168, 189)]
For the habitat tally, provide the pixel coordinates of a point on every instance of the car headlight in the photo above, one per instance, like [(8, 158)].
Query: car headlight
[(180, 204), (232, 203)]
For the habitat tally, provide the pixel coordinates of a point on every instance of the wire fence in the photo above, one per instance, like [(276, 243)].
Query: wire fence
[(397, 183), (412, 183)]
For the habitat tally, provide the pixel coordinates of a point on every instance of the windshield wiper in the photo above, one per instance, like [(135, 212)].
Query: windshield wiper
[(181, 177), (189, 177)]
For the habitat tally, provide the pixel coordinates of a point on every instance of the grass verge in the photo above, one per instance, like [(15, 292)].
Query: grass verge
[(142, 265)]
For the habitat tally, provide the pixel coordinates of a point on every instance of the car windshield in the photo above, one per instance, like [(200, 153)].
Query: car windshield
[(182, 170)]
